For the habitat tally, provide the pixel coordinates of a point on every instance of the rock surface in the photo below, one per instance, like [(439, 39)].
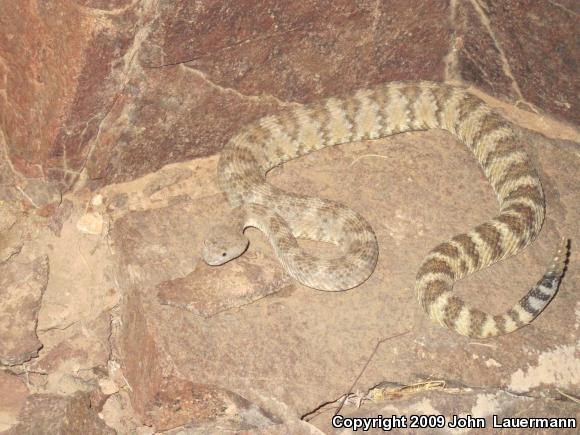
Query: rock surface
[(21, 288), (296, 349), (103, 104), (13, 394), (108, 97), (51, 414)]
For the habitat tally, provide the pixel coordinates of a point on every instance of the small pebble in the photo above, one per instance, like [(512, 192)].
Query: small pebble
[(97, 200), (108, 386), (91, 223)]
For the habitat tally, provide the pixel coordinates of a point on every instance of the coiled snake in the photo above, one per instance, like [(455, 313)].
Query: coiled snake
[(385, 110)]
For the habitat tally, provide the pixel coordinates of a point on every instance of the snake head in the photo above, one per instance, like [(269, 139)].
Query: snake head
[(224, 243)]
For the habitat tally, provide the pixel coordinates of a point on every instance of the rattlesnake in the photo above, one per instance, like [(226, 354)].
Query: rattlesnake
[(385, 110)]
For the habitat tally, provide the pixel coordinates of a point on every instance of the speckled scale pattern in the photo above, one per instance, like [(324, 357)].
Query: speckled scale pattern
[(385, 110)]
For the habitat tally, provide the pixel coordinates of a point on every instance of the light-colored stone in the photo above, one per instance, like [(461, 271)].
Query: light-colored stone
[(97, 200), (118, 413), (144, 430), (108, 386), (91, 223)]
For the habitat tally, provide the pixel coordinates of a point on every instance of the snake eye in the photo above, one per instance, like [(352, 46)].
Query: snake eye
[(223, 254)]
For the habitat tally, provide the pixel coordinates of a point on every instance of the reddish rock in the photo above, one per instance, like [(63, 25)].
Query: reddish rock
[(63, 415), (541, 45), (138, 353), (61, 214), (21, 288), (238, 64), (118, 88), (161, 124), (179, 402), (60, 81), (154, 83), (13, 394), (479, 60), (299, 51)]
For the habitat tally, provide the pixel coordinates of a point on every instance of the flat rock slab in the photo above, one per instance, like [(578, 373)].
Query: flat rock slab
[(13, 394), (121, 88), (63, 415), (220, 289), (290, 349), (21, 288)]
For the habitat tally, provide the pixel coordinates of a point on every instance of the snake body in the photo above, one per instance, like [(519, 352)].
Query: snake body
[(374, 113)]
